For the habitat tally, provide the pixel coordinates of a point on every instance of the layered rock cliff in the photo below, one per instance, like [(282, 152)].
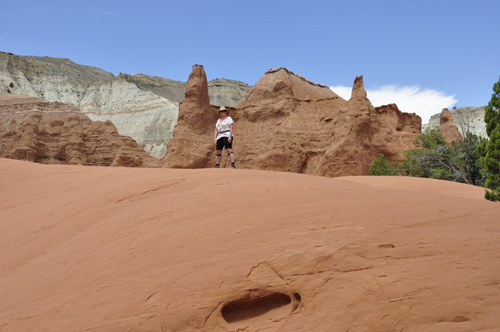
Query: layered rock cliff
[(56, 133), (288, 123), (146, 117), (221, 91), (140, 106), (51, 79), (226, 92), (169, 89)]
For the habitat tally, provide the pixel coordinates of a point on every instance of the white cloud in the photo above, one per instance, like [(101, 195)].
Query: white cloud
[(410, 99), (36, 9)]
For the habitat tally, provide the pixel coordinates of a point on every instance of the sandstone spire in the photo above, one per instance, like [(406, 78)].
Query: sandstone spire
[(358, 90), (447, 127), (193, 135), (197, 87)]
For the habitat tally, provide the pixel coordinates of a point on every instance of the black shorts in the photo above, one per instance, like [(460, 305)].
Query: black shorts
[(223, 143)]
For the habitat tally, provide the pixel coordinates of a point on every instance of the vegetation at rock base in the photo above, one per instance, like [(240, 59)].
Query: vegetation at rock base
[(471, 159), (490, 150), (434, 158), (11, 85), (383, 166)]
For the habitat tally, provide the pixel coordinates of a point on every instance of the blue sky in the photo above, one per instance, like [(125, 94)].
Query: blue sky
[(423, 55)]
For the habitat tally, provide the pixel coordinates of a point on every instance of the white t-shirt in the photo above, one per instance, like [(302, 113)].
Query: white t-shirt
[(223, 128)]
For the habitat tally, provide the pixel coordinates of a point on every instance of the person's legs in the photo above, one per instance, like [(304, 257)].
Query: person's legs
[(218, 151), (229, 149), (231, 155), (218, 157)]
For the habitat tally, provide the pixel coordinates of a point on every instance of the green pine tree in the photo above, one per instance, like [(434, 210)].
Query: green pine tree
[(491, 150), (381, 166), (491, 112)]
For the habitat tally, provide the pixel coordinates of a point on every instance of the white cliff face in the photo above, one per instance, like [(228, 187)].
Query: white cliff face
[(51, 79), (227, 92), (146, 117), (221, 91), (471, 118), (16, 83)]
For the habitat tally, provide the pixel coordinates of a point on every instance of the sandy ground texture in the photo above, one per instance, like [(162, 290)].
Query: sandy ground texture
[(117, 249)]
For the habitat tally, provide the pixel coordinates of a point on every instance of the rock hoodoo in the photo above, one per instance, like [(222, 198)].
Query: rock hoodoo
[(448, 129), (288, 123), (56, 133), (195, 124)]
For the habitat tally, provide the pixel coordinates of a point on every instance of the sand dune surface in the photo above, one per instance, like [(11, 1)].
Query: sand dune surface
[(119, 249)]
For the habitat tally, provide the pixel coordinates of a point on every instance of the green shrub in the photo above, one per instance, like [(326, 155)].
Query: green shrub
[(382, 166), (434, 158)]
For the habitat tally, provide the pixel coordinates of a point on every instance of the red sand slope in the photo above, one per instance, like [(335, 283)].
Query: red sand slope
[(116, 249)]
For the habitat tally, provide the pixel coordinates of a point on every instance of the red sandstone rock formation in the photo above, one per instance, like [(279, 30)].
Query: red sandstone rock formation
[(447, 127), (194, 132), (288, 123), (57, 133)]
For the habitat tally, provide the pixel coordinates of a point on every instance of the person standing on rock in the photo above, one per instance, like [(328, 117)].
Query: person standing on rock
[(224, 137)]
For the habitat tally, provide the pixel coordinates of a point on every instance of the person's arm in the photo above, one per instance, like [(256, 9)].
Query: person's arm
[(230, 133), (216, 133)]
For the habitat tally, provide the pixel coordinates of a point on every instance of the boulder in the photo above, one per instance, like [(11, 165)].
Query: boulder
[(56, 133)]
